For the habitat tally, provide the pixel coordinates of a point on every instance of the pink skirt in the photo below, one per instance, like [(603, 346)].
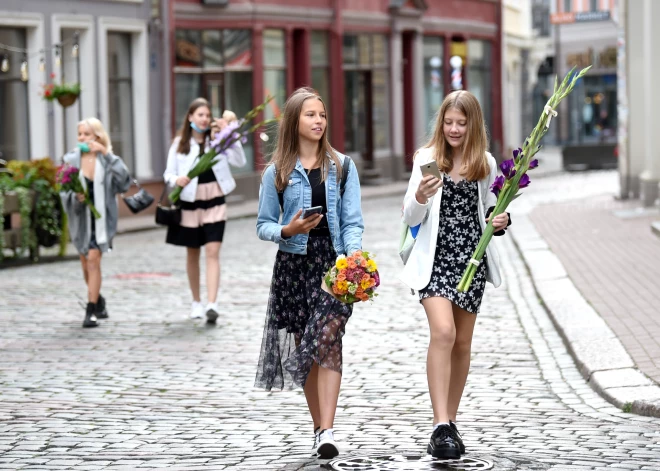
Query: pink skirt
[(204, 219)]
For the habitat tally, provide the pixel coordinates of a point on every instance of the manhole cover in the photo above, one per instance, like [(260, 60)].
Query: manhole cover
[(406, 463)]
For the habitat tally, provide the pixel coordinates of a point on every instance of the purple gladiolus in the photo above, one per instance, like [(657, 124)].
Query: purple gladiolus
[(497, 185), (508, 168), (534, 163), (524, 181), (517, 154)]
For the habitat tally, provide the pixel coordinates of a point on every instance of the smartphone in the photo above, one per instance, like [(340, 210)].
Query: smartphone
[(83, 146), (431, 168), (309, 211)]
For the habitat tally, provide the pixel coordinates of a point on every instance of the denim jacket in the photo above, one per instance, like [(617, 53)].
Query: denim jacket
[(344, 212)]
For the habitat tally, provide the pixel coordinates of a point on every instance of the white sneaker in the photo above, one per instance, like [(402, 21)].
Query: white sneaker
[(316, 443), (212, 313), (327, 448), (197, 311)]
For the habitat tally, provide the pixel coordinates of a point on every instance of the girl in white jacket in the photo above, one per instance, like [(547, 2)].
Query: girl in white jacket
[(203, 208), (453, 211)]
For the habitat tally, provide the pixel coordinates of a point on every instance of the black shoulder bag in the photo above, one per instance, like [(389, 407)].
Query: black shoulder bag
[(139, 201), (167, 215)]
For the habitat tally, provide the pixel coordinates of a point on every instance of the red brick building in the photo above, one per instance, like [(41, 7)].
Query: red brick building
[(382, 66)]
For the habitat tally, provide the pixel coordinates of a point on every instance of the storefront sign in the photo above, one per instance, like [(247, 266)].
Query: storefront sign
[(222, 3), (579, 17), (606, 59)]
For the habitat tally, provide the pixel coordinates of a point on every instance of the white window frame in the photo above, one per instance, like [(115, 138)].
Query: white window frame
[(37, 106), (84, 24), (140, 72)]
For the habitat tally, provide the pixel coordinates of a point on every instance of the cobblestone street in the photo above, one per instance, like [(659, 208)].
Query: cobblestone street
[(151, 389)]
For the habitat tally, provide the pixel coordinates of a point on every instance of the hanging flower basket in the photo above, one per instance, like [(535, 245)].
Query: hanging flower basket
[(67, 99), (65, 93)]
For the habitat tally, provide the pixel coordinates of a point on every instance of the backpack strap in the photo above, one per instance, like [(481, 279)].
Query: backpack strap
[(344, 174), (342, 185)]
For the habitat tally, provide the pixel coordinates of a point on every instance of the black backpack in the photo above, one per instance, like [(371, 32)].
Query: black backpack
[(342, 185)]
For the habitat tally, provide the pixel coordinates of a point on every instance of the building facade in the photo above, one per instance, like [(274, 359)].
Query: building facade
[(639, 155), (585, 34), (106, 46), (383, 67)]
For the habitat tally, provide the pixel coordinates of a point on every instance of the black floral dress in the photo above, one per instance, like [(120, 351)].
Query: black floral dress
[(304, 324), (458, 235)]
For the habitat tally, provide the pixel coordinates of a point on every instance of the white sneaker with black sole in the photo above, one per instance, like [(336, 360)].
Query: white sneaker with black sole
[(316, 443), (196, 311), (327, 447)]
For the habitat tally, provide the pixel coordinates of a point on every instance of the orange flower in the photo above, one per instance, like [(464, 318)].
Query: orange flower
[(352, 264), (357, 253), (363, 263), (341, 276)]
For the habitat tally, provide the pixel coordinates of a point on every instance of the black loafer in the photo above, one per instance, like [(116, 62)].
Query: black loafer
[(457, 437), (442, 444)]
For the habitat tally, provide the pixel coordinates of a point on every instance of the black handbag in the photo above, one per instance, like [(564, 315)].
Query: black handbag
[(167, 215), (139, 201)]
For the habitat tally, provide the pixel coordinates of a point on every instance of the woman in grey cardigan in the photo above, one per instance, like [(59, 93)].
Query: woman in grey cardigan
[(104, 175)]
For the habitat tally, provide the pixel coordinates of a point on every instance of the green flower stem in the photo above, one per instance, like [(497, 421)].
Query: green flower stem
[(510, 190)]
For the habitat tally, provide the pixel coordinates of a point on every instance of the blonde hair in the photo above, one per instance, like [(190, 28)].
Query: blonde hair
[(475, 163), (229, 116), (286, 153), (99, 131)]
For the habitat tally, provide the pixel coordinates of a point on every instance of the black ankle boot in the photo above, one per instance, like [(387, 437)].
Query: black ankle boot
[(101, 311), (90, 316)]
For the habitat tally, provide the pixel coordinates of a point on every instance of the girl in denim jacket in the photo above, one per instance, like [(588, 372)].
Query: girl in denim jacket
[(304, 324)]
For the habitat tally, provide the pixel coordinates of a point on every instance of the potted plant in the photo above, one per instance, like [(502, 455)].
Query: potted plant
[(65, 93)]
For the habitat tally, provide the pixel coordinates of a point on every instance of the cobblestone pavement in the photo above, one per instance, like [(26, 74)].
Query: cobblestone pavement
[(149, 389)]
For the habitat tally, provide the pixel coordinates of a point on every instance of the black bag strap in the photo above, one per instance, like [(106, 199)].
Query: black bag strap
[(342, 185)]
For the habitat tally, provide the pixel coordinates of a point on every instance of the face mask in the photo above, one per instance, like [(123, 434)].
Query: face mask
[(197, 128), (83, 146)]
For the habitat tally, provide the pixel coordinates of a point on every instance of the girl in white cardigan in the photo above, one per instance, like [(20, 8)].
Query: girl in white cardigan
[(453, 211), (203, 208)]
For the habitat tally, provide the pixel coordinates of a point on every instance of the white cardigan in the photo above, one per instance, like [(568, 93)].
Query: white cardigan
[(180, 164), (417, 272)]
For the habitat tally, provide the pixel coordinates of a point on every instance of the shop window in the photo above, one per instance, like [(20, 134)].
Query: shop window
[(120, 97), (217, 65), (479, 73), (433, 80), (320, 61), (367, 95), (15, 127)]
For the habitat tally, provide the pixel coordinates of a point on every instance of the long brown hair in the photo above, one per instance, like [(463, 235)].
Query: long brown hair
[(185, 131), (475, 163), (286, 153)]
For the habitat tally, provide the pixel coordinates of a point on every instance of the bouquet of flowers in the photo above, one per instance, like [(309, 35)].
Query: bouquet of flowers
[(68, 179), (223, 140), (354, 278), (514, 171)]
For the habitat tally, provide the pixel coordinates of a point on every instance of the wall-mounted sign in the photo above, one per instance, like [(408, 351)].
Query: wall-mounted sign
[(605, 59), (579, 17)]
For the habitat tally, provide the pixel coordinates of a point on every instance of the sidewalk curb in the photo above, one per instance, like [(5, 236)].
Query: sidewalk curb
[(598, 354)]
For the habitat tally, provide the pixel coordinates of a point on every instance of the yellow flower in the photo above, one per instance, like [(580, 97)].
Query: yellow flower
[(371, 266), (342, 263), (365, 283), (342, 285)]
